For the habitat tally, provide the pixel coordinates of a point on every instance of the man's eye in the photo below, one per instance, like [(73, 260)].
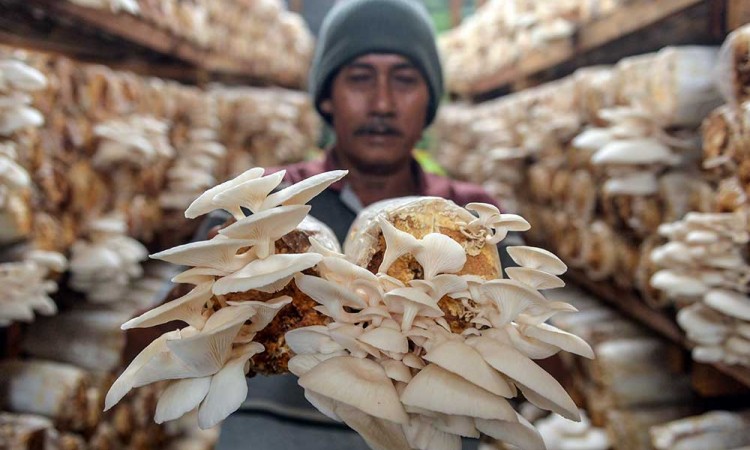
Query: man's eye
[(359, 78), (407, 79)]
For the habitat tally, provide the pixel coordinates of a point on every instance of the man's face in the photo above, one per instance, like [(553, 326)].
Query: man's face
[(378, 106)]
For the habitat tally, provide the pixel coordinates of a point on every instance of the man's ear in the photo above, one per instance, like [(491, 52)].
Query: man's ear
[(326, 106)]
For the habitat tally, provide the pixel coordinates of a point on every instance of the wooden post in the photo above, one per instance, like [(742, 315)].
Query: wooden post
[(738, 13), (456, 6)]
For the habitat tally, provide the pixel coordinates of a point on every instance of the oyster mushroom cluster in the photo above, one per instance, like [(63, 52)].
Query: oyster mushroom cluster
[(199, 164), (714, 429), (704, 271), (104, 263), (27, 287), (139, 140), (17, 81), (411, 337)]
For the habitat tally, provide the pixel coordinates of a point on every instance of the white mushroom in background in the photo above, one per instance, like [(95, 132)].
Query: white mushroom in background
[(714, 429), (129, 6), (560, 433), (27, 287), (704, 271), (384, 335), (103, 265), (137, 140), (16, 80), (197, 167)]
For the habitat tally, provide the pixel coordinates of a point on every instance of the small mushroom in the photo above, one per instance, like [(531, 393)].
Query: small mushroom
[(537, 258), (397, 244), (204, 203), (731, 303), (263, 228), (411, 302), (439, 253), (249, 194)]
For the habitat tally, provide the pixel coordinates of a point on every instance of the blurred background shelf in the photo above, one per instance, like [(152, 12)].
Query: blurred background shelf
[(638, 27), (121, 41), (659, 321)]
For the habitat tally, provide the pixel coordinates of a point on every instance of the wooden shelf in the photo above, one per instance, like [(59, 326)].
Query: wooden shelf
[(119, 40), (625, 21), (659, 321)]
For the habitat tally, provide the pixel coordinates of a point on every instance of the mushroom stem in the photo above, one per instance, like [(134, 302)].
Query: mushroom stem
[(410, 312)]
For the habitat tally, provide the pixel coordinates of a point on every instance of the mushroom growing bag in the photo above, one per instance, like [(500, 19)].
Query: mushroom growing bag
[(411, 337)]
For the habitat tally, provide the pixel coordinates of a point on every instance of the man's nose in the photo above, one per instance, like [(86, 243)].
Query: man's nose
[(383, 101)]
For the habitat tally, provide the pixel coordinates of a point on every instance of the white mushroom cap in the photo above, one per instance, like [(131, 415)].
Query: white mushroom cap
[(396, 370), (731, 303), (537, 258), (640, 183), (676, 284), (249, 194), (519, 433), (463, 360), (204, 203), (188, 308), (559, 338), (512, 298), (21, 76), (411, 302), (385, 339), (13, 175), (593, 139), (267, 275), (397, 244), (634, 151), (302, 192), (457, 396), (379, 434), (228, 388), (198, 275), (421, 434), (439, 253), (332, 296), (537, 279), (264, 313), (370, 390), (18, 117), (216, 253), (263, 228), (539, 387), (310, 340)]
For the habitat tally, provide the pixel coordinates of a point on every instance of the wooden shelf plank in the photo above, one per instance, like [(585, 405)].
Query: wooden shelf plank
[(626, 20), (659, 321)]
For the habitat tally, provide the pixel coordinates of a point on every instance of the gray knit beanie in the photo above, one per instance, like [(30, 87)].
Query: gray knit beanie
[(355, 27)]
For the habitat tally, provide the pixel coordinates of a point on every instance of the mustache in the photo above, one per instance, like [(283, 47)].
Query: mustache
[(377, 127)]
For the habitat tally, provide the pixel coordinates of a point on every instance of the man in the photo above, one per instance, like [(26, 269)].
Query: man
[(376, 79)]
